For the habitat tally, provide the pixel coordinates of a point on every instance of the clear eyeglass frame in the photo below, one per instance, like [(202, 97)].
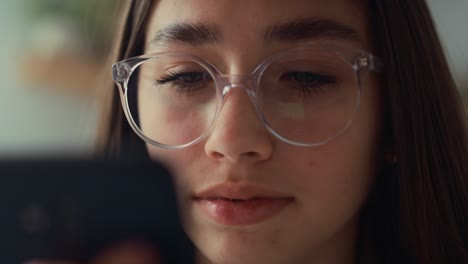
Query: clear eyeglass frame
[(361, 62)]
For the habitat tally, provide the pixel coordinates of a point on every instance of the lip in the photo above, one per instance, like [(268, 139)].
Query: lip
[(238, 205)]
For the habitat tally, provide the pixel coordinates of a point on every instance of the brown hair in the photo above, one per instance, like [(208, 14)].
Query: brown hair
[(418, 211)]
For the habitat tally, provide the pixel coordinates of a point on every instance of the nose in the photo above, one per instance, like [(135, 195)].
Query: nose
[(239, 134)]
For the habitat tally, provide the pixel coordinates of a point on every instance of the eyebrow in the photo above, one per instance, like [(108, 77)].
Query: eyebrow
[(197, 34), (312, 28)]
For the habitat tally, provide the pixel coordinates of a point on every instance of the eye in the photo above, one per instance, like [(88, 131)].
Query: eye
[(307, 78), (307, 82), (186, 77), (185, 81)]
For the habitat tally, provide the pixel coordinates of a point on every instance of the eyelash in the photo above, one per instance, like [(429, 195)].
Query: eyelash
[(318, 83), (313, 83), (176, 80)]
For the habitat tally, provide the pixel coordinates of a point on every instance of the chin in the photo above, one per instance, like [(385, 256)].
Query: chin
[(238, 255), (235, 246)]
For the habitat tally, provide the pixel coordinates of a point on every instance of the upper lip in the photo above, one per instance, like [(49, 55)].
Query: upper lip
[(239, 192)]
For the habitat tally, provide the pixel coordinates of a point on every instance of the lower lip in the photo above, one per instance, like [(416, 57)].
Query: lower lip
[(245, 212)]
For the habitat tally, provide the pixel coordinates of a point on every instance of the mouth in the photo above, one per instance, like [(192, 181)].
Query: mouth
[(236, 205)]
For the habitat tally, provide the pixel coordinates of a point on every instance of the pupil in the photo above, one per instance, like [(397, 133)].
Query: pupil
[(193, 77), (302, 76)]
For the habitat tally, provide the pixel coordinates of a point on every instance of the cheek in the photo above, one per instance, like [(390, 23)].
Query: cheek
[(167, 121), (334, 181), (188, 171), (331, 185), (185, 165), (338, 176)]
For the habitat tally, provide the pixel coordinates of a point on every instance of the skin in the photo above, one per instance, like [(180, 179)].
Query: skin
[(329, 183)]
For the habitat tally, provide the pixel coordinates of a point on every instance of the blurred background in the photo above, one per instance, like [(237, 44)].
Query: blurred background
[(52, 52)]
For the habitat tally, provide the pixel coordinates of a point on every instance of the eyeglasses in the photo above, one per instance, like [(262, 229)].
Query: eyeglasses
[(305, 96)]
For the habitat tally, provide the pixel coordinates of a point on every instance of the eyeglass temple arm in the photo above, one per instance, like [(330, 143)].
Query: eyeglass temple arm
[(375, 63)]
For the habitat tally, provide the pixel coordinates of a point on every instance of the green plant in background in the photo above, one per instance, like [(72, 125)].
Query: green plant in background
[(92, 20)]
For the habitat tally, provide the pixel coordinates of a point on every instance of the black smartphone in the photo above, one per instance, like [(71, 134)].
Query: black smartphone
[(72, 209)]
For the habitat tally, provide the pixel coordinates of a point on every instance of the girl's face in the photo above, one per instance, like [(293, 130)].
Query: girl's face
[(247, 197)]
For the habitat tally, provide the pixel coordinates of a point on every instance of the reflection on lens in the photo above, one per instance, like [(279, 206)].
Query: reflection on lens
[(308, 97)]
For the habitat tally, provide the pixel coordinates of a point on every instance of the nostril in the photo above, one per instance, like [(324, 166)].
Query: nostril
[(251, 154), (217, 155)]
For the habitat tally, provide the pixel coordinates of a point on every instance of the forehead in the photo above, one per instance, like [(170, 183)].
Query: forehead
[(245, 23)]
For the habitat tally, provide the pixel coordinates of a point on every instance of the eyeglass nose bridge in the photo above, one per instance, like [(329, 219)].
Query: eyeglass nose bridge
[(246, 82)]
